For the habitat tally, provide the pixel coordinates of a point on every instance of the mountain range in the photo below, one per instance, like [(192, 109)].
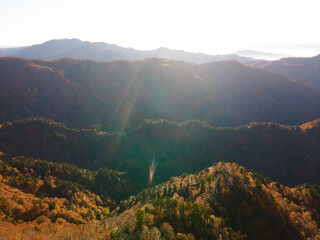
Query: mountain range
[(119, 95), (288, 154), (75, 48), (157, 145)]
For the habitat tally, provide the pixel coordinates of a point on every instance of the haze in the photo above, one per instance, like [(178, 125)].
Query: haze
[(198, 26)]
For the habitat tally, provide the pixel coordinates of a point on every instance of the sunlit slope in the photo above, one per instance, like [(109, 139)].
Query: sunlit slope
[(225, 201), (119, 95)]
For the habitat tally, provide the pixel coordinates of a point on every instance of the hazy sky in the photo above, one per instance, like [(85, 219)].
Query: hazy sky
[(205, 26)]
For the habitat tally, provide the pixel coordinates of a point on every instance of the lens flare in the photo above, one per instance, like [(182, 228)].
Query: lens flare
[(152, 169)]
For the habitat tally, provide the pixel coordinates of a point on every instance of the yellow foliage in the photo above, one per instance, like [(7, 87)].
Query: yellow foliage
[(181, 236)]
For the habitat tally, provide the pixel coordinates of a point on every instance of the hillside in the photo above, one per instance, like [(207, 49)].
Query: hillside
[(306, 70), (227, 200), (288, 154), (38, 190), (75, 48), (224, 201), (120, 95)]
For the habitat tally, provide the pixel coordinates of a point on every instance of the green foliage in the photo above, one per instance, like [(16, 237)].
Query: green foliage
[(184, 217), (114, 236), (140, 218), (313, 189), (20, 201), (67, 203), (258, 184), (183, 175), (37, 229), (52, 205)]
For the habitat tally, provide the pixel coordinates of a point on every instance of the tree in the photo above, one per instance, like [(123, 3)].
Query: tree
[(140, 218)]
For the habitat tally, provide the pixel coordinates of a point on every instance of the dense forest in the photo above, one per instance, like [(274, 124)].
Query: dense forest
[(157, 149), (224, 201), (34, 188), (119, 95), (288, 154), (228, 197)]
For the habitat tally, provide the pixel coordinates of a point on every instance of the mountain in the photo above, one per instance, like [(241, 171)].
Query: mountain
[(75, 48), (305, 70), (224, 201), (72, 176), (193, 57), (288, 154), (260, 55), (32, 189), (8, 51), (119, 95)]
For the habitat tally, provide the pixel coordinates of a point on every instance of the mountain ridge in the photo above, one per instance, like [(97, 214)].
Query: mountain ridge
[(178, 147), (305, 70), (120, 94), (75, 48)]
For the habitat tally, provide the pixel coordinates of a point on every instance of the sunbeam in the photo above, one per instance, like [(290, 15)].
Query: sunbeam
[(152, 169)]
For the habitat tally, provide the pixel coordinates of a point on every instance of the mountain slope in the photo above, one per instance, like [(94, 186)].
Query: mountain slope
[(75, 48), (248, 204), (37, 190), (33, 90), (119, 95), (288, 154), (224, 201), (306, 70)]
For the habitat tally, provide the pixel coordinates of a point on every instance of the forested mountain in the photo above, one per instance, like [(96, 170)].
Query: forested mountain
[(77, 139), (75, 48), (288, 154), (48, 190), (224, 201), (306, 70), (120, 95)]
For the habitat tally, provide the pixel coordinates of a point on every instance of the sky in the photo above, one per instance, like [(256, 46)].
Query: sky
[(198, 26)]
